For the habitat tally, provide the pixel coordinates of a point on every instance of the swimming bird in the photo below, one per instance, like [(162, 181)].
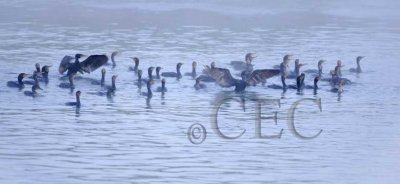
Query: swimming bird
[(258, 76), (246, 65), (19, 83), (88, 65), (45, 73), (198, 85), (162, 88), (284, 70), (140, 81), (70, 85), (223, 78), (176, 74), (338, 68), (297, 66), (193, 74), (33, 93), (319, 70), (113, 54), (77, 103), (103, 76), (111, 89), (358, 69), (149, 93), (158, 68), (136, 67)]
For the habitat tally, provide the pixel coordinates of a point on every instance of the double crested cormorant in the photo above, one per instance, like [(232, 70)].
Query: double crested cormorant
[(246, 65), (258, 76), (139, 81), (136, 67), (149, 93), (113, 54), (103, 76), (158, 68), (193, 74), (223, 78), (338, 68), (45, 72), (162, 88), (358, 69), (176, 74), (300, 82), (199, 85), (70, 85), (33, 93), (297, 66), (111, 89), (284, 70), (78, 101), (88, 65), (19, 83)]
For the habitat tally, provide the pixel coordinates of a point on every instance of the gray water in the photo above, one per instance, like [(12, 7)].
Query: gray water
[(128, 139)]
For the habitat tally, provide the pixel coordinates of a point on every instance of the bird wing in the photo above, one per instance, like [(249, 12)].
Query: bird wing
[(222, 77), (93, 62), (258, 76), (65, 63)]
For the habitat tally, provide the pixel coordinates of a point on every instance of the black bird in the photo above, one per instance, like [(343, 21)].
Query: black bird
[(149, 93), (198, 85), (78, 100), (158, 72), (136, 67), (162, 88), (70, 85), (358, 69), (246, 65), (176, 74), (193, 74), (140, 81), (103, 76), (113, 54), (223, 78), (111, 89), (19, 83), (258, 76), (88, 65), (33, 93), (45, 73)]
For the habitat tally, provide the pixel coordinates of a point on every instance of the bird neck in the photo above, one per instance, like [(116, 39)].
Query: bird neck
[(149, 89), (163, 85), (78, 100), (178, 70), (193, 71), (283, 78), (158, 74), (113, 84), (103, 75), (315, 85), (136, 66), (20, 81), (76, 60), (150, 74), (112, 60), (297, 70)]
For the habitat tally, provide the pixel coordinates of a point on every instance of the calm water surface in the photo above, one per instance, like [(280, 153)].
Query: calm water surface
[(131, 139)]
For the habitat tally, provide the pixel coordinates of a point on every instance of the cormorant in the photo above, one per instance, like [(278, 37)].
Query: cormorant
[(103, 76), (158, 68), (162, 88), (33, 93), (136, 67), (193, 74), (176, 74), (246, 65), (88, 65), (149, 93), (358, 69), (19, 83), (199, 85), (78, 101)]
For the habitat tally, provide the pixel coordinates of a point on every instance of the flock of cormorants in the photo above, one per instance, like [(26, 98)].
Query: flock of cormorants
[(211, 73)]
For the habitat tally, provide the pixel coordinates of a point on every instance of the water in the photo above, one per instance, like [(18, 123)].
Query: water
[(126, 139)]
